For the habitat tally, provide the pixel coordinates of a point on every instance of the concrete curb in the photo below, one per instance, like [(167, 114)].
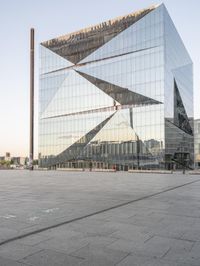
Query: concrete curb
[(85, 170), (151, 171), (194, 172)]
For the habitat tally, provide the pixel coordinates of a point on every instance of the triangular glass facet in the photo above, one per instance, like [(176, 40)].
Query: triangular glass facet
[(71, 99), (78, 45), (51, 61), (129, 40), (119, 94), (180, 116), (75, 150), (49, 85)]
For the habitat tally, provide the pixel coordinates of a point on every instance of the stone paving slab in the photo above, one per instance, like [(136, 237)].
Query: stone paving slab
[(159, 230), (52, 258), (9, 262)]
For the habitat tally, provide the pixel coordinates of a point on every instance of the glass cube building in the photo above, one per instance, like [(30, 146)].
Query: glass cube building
[(117, 95)]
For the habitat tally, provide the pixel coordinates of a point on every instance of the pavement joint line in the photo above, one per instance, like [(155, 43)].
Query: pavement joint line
[(123, 258), (12, 239), (36, 252), (149, 238), (166, 253)]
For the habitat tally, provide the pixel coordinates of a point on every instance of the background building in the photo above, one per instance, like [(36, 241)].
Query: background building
[(19, 160), (197, 142), (118, 94), (12, 161), (7, 157)]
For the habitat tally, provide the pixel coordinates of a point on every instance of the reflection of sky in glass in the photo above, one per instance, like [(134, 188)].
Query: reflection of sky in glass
[(142, 63), (76, 95)]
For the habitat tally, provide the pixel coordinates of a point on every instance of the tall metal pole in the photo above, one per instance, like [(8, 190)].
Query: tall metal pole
[(31, 154), (138, 152)]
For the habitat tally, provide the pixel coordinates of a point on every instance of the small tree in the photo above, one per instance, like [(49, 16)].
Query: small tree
[(5, 163), (35, 162)]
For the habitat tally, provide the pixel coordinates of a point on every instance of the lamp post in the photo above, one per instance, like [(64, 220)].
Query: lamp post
[(138, 152), (31, 154)]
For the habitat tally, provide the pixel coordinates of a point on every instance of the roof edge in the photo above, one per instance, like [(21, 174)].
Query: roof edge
[(102, 24)]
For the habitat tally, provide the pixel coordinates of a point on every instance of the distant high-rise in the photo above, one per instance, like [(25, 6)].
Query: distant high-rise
[(117, 95)]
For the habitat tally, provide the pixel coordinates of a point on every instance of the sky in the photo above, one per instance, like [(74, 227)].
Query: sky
[(52, 18)]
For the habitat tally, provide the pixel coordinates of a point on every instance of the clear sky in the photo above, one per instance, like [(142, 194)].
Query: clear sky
[(52, 18)]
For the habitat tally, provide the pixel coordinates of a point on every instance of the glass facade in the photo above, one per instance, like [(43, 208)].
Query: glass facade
[(117, 95), (179, 118), (197, 142)]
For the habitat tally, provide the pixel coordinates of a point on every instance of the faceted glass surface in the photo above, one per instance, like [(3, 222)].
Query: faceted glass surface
[(179, 118), (110, 99)]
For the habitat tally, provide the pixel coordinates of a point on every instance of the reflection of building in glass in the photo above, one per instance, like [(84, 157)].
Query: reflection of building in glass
[(197, 142), (118, 94)]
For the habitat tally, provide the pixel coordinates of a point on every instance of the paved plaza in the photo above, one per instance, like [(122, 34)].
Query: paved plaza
[(93, 218)]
